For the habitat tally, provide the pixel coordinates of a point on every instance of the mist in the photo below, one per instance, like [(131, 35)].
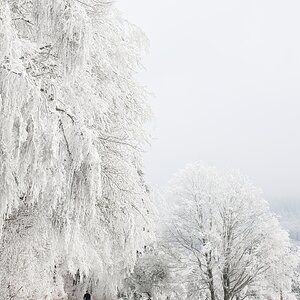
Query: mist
[(225, 78)]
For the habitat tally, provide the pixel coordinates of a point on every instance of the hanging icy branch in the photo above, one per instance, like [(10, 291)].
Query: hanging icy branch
[(71, 134)]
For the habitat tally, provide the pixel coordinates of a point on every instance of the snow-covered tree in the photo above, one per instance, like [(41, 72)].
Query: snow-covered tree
[(150, 277), (296, 283), (224, 236), (74, 206)]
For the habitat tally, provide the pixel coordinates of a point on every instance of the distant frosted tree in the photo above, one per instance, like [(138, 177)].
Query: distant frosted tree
[(150, 277), (223, 233), (74, 206)]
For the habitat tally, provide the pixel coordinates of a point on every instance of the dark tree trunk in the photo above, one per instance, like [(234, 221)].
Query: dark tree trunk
[(226, 284), (211, 285)]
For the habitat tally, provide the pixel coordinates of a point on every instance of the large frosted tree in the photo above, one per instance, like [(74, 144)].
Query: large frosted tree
[(74, 206), (223, 235)]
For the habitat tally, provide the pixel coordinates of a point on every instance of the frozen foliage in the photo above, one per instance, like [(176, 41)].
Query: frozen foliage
[(74, 205), (223, 239), (150, 278)]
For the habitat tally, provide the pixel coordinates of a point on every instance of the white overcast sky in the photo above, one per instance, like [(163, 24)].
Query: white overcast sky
[(226, 80)]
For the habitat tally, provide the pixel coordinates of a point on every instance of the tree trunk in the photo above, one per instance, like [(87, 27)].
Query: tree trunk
[(226, 294), (212, 293), (226, 284), (211, 285)]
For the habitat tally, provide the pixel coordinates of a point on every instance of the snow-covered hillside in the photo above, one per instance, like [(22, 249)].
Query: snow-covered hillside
[(289, 214)]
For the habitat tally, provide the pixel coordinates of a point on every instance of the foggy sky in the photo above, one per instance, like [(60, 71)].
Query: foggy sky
[(226, 79)]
